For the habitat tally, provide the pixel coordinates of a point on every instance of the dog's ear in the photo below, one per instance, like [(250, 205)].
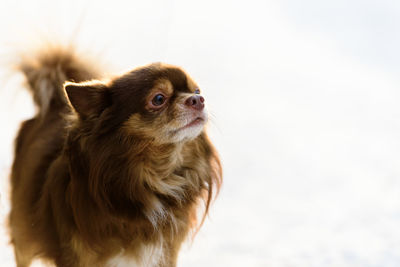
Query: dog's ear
[(88, 99)]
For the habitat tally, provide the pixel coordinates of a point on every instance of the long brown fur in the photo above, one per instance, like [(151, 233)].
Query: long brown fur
[(100, 173)]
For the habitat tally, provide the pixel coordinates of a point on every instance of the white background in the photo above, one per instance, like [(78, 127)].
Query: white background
[(304, 97)]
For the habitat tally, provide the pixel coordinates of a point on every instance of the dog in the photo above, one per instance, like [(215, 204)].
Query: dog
[(109, 172)]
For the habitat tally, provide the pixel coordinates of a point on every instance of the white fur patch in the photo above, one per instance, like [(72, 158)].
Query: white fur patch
[(149, 256), (192, 132), (189, 133)]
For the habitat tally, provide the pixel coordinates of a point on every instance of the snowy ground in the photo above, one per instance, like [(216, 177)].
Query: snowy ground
[(304, 97)]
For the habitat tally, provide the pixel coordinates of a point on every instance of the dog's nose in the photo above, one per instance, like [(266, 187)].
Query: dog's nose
[(196, 102)]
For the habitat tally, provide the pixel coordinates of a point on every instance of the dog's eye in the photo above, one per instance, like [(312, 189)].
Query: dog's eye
[(197, 91), (158, 100)]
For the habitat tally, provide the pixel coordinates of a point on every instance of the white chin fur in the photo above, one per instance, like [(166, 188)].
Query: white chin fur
[(188, 134)]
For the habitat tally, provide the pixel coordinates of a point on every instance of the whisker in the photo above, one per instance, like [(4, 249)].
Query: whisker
[(213, 121)]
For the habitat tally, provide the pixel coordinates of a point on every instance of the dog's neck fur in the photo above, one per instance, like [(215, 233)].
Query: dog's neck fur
[(118, 198)]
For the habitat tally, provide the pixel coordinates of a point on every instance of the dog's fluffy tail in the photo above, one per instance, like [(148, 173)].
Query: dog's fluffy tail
[(48, 69)]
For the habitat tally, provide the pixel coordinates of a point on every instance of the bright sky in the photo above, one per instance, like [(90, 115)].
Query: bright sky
[(304, 101)]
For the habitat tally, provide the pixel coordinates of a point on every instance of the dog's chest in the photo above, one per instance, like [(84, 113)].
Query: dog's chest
[(147, 256)]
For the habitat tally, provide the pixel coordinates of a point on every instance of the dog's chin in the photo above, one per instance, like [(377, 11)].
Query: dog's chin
[(188, 131), (191, 130)]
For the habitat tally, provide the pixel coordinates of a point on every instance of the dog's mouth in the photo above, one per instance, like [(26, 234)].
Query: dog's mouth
[(196, 122)]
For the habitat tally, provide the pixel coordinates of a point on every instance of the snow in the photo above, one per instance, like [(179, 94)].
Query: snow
[(304, 105)]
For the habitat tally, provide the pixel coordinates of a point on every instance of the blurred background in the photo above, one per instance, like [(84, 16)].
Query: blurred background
[(304, 97)]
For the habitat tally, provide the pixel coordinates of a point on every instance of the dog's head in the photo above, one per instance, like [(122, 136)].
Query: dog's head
[(158, 102)]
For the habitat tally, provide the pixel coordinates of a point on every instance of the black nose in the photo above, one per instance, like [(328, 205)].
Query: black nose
[(196, 102)]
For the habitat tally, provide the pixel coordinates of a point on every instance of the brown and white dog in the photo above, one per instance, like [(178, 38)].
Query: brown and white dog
[(109, 173)]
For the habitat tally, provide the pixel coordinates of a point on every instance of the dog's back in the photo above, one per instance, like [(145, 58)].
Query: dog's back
[(38, 145)]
